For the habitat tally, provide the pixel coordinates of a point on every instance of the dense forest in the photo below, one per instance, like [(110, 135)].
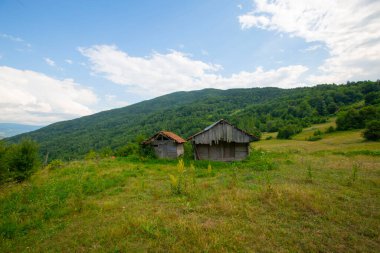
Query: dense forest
[(185, 113)]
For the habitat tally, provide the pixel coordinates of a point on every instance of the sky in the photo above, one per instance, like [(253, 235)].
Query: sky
[(61, 60)]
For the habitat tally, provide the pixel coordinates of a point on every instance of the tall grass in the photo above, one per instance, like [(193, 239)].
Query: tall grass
[(261, 204), (178, 182)]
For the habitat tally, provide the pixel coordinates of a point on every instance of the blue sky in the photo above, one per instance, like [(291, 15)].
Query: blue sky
[(64, 59)]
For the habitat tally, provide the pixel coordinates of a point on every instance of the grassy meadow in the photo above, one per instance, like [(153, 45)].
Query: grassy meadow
[(289, 196)]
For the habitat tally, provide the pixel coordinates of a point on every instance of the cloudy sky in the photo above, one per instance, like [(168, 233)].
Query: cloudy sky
[(64, 59)]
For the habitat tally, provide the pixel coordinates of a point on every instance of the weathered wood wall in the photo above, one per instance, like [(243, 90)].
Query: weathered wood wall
[(180, 149), (167, 148), (223, 151), (221, 132)]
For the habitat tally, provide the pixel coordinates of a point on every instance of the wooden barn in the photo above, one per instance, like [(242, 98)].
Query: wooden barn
[(166, 144), (221, 142)]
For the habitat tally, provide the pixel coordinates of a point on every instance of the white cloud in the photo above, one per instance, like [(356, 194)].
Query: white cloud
[(10, 37), (50, 62), (159, 74), (27, 46), (311, 48), (204, 52), (349, 29), (68, 61), (34, 98), (112, 101)]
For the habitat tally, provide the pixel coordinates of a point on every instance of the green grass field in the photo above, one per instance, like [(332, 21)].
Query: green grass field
[(290, 196)]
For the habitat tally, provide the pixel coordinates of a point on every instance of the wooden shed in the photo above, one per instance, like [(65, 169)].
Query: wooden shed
[(221, 142), (166, 144)]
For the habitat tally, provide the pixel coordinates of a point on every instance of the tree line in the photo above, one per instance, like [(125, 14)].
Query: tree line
[(254, 110)]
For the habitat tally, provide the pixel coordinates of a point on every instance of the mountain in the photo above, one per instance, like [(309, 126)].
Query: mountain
[(11, 129), (185, 113)]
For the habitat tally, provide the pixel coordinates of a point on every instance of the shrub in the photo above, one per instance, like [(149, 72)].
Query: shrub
[(3, 168), (350, 119), (372, 98), (106, 152), (357, 119), (192, 173), (175, 184), (127, 150), (178, 183), (269, 137), (91, 155), (209, 169), (330, 129), (188, 151), (146, 151), (314, 138), (22, 159), (55, 164), (317, 133), (372, 131), (288, 131)]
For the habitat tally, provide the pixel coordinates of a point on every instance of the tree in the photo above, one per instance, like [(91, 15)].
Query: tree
[(22, 159), (372, 131), (370, 87), (372, 98), (332, 108), (3, 166), (288, 131), (350, 119)]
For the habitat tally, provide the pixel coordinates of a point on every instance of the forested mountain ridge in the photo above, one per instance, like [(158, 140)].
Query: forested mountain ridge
[(254, 109)]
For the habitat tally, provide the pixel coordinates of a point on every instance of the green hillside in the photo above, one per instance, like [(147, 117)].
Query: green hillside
[(289, 196), (254, 110)]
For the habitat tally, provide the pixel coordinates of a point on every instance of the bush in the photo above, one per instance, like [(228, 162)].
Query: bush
[(330, 129), (55, 164), (3, 168), (20, 160), (357, 119), (317, 133), (188, 151), (350, 119), (91, 155), (372, 131), (288, 131), (178, 183), (146, 151), (314, 138), (127, 150), (106, 152), (372, 98)]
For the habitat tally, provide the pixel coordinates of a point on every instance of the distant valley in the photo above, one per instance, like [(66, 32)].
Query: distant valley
[(12, 129)]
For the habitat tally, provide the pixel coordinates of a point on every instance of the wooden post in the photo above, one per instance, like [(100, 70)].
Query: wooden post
[(46, 158), (196, 152)]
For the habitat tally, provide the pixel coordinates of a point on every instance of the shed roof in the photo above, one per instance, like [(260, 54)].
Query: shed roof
[(167, 134), (225, 122)]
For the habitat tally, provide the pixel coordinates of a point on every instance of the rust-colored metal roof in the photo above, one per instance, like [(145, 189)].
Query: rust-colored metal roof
[(167, 134)]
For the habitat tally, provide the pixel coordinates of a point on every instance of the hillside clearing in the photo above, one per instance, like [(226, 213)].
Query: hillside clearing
[(321, 196)]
